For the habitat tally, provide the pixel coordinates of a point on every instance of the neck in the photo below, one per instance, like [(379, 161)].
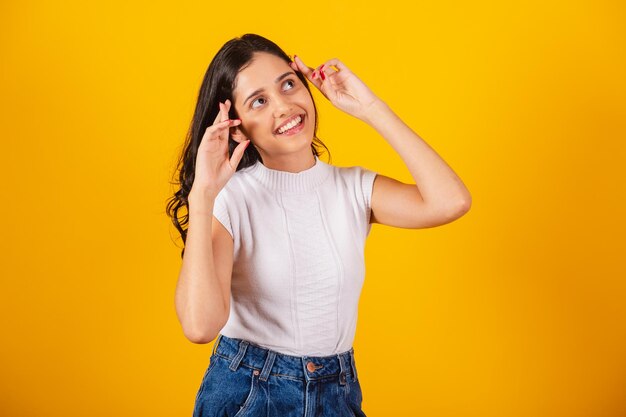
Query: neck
[(283, 181), (290, 163)]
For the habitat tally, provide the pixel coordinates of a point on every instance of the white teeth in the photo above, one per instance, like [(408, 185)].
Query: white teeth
[(290, 125)]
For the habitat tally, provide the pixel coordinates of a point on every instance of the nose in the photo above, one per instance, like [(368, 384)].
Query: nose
[(282, 106)]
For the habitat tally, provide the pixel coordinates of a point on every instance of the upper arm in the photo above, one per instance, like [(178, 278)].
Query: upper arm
[(223, 245), (401, 205)]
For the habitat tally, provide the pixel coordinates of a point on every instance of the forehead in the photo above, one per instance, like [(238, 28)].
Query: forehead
[(261, 72)]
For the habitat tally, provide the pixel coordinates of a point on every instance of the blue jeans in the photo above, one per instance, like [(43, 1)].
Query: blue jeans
[(244, 379)]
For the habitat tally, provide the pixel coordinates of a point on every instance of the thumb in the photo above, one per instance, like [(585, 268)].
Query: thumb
[(238, 154)]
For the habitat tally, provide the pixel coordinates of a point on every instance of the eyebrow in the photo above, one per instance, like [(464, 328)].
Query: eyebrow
[(254, 93)]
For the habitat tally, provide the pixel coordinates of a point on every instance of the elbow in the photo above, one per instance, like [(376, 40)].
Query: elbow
[(203, 334), (458, 209), (201, 338), (202, 327), (465, 204)]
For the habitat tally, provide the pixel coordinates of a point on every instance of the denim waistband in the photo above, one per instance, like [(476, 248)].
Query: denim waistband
[(266, 361)]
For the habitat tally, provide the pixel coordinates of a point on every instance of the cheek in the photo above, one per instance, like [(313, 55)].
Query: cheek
[(250, 126), (307, 102), (310, 109)]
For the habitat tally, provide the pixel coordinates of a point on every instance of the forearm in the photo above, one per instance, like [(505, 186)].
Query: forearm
[(200, 303), (437, 182)]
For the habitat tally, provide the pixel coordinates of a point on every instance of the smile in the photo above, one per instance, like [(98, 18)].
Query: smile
[(293, 127)]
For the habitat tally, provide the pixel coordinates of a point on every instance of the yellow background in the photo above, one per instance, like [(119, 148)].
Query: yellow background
[(516, 309)]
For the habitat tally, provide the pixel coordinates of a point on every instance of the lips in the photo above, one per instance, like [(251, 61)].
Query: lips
[(292, 118)]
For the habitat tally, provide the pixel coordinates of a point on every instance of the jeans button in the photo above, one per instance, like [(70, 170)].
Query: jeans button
[(310, 366)]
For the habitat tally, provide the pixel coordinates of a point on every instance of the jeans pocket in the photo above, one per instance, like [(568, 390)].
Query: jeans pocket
[(252, 393), (212, 362), (353, 397)]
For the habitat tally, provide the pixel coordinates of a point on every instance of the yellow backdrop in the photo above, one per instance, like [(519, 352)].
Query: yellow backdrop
[(516, 309)]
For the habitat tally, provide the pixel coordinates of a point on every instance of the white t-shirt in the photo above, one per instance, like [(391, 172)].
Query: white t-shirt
[(298, 265)]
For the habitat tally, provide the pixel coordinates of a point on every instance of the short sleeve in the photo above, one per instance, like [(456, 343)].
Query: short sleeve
[(220, 210), (366, 183)]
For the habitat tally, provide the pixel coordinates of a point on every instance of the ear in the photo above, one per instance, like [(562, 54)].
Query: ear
[(237, 134)]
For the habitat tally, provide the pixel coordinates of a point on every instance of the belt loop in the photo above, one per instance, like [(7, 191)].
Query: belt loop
[(269, 362), (243, 345), (342, 365), (216, 344), (354, 375)]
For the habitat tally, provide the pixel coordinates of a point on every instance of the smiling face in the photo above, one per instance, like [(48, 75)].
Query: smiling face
[(276, 111)]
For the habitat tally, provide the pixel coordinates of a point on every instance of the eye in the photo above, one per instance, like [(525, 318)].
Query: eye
[(293, 84), (254, 101)]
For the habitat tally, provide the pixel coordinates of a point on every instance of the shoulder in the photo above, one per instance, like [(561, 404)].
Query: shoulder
[(357, 180), (354, 172)]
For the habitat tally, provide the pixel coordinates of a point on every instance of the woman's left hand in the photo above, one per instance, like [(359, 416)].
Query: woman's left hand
[(341, 86)]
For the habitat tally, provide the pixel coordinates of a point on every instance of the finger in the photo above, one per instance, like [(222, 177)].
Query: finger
[(327, 88), (314, 76), (219, 127), (311, 74), (223, 112), (331, 68), (327, 72), (219, 114), (320, 73), (326, 84), (227, 106), (216, 136), (337, 64), (238, 153), (304, 69)]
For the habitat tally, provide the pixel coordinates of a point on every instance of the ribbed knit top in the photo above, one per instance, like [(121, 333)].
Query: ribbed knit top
[(298, 265)]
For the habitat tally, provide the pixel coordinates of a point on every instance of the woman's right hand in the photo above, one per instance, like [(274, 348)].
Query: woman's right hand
[(213, 166)]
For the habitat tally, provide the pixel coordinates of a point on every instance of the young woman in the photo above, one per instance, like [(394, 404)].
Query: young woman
[(273, 261)]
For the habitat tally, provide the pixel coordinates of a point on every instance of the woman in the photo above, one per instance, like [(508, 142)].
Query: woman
[(286, 231)]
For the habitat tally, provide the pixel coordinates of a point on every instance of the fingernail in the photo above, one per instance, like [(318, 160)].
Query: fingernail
[(314, 75), (322, 68), (323, 75)]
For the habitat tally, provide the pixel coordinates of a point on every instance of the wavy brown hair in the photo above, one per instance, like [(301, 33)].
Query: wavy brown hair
[(217, 86)]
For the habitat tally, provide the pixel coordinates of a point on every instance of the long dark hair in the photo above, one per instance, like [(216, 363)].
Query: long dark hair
[(217, 86)]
